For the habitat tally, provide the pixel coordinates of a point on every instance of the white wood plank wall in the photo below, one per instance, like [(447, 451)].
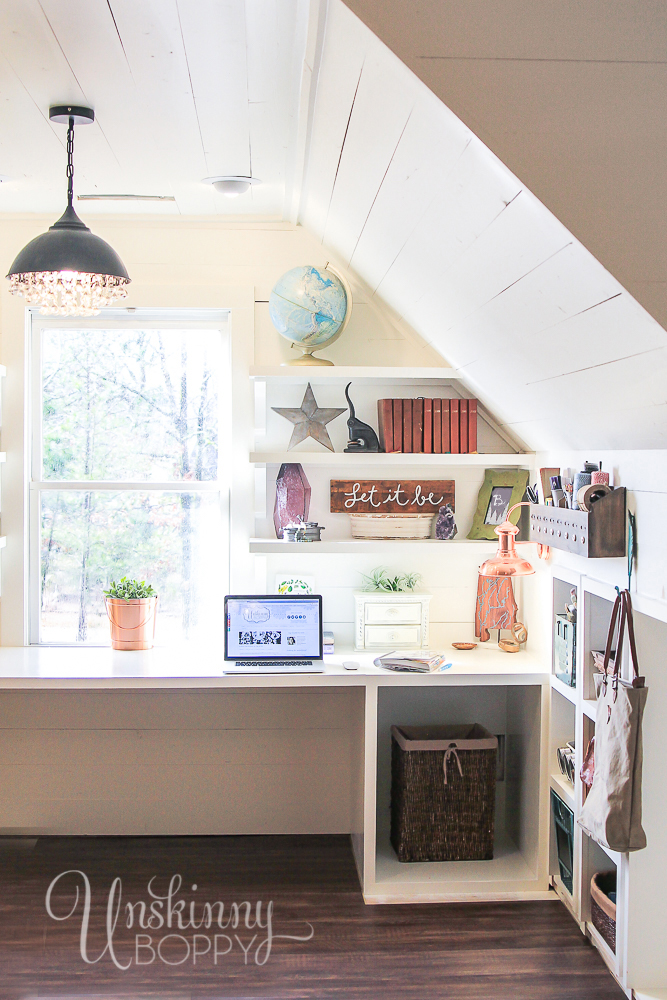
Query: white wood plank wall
[(180, 762)]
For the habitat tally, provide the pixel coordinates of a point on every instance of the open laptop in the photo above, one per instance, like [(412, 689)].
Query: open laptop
[(273, 634)]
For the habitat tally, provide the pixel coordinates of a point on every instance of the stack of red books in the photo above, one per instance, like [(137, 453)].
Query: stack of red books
[(429, 426)]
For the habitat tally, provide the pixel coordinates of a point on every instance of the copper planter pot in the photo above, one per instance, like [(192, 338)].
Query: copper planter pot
[(132, 622)]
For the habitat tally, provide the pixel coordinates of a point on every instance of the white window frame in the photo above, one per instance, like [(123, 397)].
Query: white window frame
[(121, 319)]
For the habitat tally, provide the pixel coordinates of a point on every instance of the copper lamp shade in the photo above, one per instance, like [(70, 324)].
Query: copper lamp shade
[(507, 561)]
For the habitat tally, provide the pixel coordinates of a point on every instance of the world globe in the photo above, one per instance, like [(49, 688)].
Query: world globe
[(309, 306)]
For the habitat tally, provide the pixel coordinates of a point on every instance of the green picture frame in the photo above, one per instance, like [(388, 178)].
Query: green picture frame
[(498, 480)]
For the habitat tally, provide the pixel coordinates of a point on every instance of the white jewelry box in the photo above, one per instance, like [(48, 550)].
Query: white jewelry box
[(387, 619)]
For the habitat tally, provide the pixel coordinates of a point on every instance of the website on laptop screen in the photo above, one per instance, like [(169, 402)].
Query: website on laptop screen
[(272, 629)]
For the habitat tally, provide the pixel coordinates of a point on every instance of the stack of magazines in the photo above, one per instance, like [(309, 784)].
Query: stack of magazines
[(417, 661)]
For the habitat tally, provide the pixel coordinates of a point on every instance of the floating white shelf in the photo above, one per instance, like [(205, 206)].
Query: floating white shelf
[(364, 464), (563, 788), (589, 708), (564, 689), (288, 374), (359, 545)]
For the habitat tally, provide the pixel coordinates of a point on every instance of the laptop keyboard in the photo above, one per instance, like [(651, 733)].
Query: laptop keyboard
[(273, 663)]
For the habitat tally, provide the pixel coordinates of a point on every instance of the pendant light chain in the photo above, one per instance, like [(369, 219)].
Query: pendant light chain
[(70, 163), (68, 271)]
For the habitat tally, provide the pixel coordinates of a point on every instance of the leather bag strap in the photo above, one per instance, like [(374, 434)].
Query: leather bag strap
[(622, 612), (637, 680), (610, 642)]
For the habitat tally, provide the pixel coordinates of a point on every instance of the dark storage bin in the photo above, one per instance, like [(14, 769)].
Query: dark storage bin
[(564, 826), (603, 909), (443, 792)]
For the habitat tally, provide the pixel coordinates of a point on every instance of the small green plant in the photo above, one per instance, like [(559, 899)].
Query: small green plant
[(129, 590), (379, 579)]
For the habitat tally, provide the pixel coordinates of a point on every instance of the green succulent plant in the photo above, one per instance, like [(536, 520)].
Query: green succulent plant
[(129, 590), (379, 579)]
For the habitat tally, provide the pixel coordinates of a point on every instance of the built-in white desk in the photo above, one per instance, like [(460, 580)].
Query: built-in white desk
[(508, 693)]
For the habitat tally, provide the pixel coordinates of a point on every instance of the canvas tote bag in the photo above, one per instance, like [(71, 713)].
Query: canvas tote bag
[(612, 812)]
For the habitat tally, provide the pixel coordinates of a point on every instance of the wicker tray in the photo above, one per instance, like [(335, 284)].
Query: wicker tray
[(603, 910), (392, 525), (440, 811)]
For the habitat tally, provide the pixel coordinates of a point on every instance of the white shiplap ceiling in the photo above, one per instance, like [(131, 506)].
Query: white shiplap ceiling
[(348, 142), (182, 90)]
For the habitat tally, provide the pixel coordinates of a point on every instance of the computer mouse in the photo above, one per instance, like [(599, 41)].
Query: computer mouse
[(350, 664)]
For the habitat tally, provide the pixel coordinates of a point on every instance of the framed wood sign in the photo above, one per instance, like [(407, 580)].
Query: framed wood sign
[(390, 496)]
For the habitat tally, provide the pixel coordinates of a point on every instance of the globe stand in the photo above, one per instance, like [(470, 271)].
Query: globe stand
[(307, 358)]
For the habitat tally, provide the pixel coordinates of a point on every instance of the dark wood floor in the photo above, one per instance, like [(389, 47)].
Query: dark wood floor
[(500, 951)]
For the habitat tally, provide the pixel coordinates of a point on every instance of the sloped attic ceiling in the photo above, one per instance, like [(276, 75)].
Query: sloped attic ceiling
[(446, 235), (571, 96)]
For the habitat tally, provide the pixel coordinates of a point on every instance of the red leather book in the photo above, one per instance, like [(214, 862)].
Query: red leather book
[(398, 424), (446, 433), (386, 424), (472, 426), (437, 426), (407, 425), (454, 428), (428, 426), (463, 426), (418, 425)]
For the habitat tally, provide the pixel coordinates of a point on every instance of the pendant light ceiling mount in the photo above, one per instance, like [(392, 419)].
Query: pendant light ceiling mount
[(68, 270), (61, 113)]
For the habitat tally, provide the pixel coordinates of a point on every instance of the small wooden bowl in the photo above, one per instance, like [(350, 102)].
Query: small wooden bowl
[(464, 645)]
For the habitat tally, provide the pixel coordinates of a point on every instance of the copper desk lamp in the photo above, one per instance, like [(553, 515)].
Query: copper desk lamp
[(507, 561)]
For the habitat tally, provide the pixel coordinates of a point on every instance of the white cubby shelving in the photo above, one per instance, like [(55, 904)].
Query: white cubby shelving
[(574, 709), (514, 711)]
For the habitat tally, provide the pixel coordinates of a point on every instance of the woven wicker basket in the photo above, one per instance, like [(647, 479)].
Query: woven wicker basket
[(443, 791), (603, 910)]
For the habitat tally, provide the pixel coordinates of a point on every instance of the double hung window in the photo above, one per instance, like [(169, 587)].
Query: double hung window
[(128, 417)]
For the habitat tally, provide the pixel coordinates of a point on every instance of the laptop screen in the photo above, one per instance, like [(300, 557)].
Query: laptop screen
[(273, 628)]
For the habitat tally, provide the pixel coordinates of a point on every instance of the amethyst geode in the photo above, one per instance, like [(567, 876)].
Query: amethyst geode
[(292, 497)]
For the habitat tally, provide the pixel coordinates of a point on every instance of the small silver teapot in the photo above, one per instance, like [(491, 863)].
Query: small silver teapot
[(309, 531)]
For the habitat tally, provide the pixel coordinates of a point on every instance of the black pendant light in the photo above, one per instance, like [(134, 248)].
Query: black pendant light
[(68, 271)]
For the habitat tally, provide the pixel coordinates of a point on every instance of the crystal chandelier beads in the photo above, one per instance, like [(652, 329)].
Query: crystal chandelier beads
[(68, 293)]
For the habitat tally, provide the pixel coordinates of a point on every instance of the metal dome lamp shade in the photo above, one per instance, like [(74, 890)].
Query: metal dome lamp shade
[(69, 271), (507, 561)]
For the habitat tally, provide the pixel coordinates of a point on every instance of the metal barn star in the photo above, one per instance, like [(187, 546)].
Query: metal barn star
[(309, 420)]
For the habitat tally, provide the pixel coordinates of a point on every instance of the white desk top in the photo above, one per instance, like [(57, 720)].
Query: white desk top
[(52, 667)]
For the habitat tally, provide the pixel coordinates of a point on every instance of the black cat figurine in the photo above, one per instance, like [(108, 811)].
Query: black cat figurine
[(362, 436)]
